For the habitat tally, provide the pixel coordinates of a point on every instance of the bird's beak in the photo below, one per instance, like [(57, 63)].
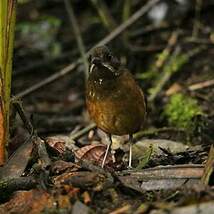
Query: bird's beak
[(96, 61)]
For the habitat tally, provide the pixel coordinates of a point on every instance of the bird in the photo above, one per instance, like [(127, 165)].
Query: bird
[(114, 100)]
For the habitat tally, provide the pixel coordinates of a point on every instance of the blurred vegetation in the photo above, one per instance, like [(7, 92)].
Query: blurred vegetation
[(41, 35), (180, 111)]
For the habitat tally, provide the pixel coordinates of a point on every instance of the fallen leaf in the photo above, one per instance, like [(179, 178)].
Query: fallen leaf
[(57, 144), (94, 153), (18, 161), (143, 145), (145, 159), (83, 179), (163, 177)]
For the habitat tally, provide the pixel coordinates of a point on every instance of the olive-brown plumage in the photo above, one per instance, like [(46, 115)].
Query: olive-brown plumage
[(114, 100)]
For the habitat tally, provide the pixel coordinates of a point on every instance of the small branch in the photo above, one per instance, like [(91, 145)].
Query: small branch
[(19, 108), (77, 35), (13, 184), (128, 22), (42, 152), (175, 88), (153, 132), (104, 14), (166, 52), (164, 79), (201, 85), (48, 80), (82, 132), (184, 58)]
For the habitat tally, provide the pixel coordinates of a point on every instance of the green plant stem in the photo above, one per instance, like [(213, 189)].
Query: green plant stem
[(7, 25)]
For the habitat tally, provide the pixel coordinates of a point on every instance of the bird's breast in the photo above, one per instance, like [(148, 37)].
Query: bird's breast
[(116, 106)]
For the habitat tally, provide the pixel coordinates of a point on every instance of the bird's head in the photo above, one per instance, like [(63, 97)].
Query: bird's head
[(102, 60)]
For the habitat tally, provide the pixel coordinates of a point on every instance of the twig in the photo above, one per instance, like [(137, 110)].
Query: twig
[(42, 152), (82, 132), (13, 184), (19, 108), (104, 14), (128, 22), (104, 41), (123, 209), (194, 87), (166, 52), (156, 131), (42, 63), (201, 85), (150, 29), (48, 80), (77, 35), (165, 77), (200, 41)]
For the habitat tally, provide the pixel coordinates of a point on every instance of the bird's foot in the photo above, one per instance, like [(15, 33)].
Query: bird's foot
[(129, 167)]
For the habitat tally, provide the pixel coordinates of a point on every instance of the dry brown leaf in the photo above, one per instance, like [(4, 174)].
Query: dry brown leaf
[(94, 153), (163, 177), (18, 161), (173, 89), (82, 179), (57, 144)]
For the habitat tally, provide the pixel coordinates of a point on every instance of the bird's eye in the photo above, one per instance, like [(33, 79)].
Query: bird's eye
[(108, 57)]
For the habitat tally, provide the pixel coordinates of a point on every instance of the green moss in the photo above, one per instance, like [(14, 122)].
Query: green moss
[(181, 110)]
